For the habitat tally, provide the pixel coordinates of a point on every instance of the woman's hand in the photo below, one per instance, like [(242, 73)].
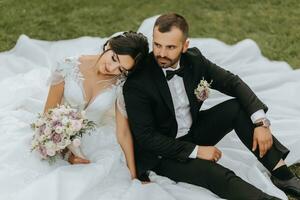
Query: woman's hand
[(77, 160)]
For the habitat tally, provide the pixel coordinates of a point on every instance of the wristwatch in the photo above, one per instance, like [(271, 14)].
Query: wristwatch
[(264, 123)]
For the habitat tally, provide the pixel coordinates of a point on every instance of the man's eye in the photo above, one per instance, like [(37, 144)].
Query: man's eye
[(171, 47)]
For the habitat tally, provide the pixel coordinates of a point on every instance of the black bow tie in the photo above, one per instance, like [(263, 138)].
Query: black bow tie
[(170, 74)]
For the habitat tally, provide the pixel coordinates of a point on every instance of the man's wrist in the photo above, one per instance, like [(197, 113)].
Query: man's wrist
[(264, 122)]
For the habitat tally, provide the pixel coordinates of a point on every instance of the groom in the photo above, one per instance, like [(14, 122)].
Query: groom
[(174, 139)]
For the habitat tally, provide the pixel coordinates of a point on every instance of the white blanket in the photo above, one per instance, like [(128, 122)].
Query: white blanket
[(23, 90)]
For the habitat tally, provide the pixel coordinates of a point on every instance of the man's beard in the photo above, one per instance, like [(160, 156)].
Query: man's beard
[(166, 62)]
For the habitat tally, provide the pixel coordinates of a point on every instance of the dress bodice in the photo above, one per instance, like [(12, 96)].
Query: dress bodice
[(68, 71)]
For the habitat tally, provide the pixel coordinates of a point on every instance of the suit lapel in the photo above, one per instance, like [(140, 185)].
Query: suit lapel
[(163, 87), (189, 84)]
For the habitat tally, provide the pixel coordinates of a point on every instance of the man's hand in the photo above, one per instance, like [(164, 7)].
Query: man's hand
[(263, 138), (209, 153)]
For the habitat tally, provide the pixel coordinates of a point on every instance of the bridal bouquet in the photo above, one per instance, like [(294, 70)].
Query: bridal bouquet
[(58, 128)]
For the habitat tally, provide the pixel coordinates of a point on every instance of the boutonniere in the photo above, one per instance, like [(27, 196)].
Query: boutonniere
[(203, 90)]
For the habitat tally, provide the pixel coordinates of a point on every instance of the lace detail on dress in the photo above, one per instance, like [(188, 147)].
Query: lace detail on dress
[(69, 71), (120, 101), (67, 68)]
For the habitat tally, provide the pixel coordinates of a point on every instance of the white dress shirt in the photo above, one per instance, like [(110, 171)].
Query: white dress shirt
[(182, 107)]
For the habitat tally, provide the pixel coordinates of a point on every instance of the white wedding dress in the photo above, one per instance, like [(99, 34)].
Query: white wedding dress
[(23, 88)]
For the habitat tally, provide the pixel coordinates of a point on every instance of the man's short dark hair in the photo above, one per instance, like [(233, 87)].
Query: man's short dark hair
[(167, 21)]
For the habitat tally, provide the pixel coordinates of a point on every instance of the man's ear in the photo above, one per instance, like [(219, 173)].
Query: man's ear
[(186, 45)]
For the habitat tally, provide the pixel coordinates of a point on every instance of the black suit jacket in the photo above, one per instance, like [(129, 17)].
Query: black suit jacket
[(151, 112)]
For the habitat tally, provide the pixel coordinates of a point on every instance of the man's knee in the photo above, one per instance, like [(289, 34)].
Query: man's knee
[(213, 171), (218, 172)]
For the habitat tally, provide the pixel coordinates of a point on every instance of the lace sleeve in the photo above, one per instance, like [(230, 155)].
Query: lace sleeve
[(55, 78), (120, 102), (59, 72)]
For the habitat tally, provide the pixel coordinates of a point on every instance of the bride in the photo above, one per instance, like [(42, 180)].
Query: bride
[(93, 83), (23, 77)]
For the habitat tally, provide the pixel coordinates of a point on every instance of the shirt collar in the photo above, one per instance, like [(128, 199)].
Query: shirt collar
[(171, 69)]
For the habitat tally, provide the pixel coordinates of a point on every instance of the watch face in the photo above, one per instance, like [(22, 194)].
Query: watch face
[(266, 123)]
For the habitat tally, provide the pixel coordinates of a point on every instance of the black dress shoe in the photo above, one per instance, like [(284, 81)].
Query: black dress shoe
[(290, 186)]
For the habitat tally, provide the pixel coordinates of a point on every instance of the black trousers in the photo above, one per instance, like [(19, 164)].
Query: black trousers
[(212, 126)]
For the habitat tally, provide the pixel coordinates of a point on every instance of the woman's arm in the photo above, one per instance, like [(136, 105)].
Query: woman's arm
[(125, 139), (54, 96)]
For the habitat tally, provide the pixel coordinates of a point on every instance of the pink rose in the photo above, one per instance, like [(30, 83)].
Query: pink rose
[(43, 151), (56, 138), (76, 124)]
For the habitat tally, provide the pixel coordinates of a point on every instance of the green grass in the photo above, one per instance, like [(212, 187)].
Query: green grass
[(273, 24)]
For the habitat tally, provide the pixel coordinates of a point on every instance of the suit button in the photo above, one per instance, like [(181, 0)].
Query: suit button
[(159, 157)]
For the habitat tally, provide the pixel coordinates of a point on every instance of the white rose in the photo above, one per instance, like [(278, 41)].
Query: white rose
[(34, 143), (49, 144), (50, 152), (47, 131), (54, 118), (55, 113), (76, 142), (69, 131), (50, 148), (63, 143), (76, 124), (65, 111), (41, 138), (58, 129), (68, 109), (39, 122), (65, 121)]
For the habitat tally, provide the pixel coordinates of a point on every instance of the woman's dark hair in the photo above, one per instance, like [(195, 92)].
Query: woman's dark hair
[(129, 43)]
